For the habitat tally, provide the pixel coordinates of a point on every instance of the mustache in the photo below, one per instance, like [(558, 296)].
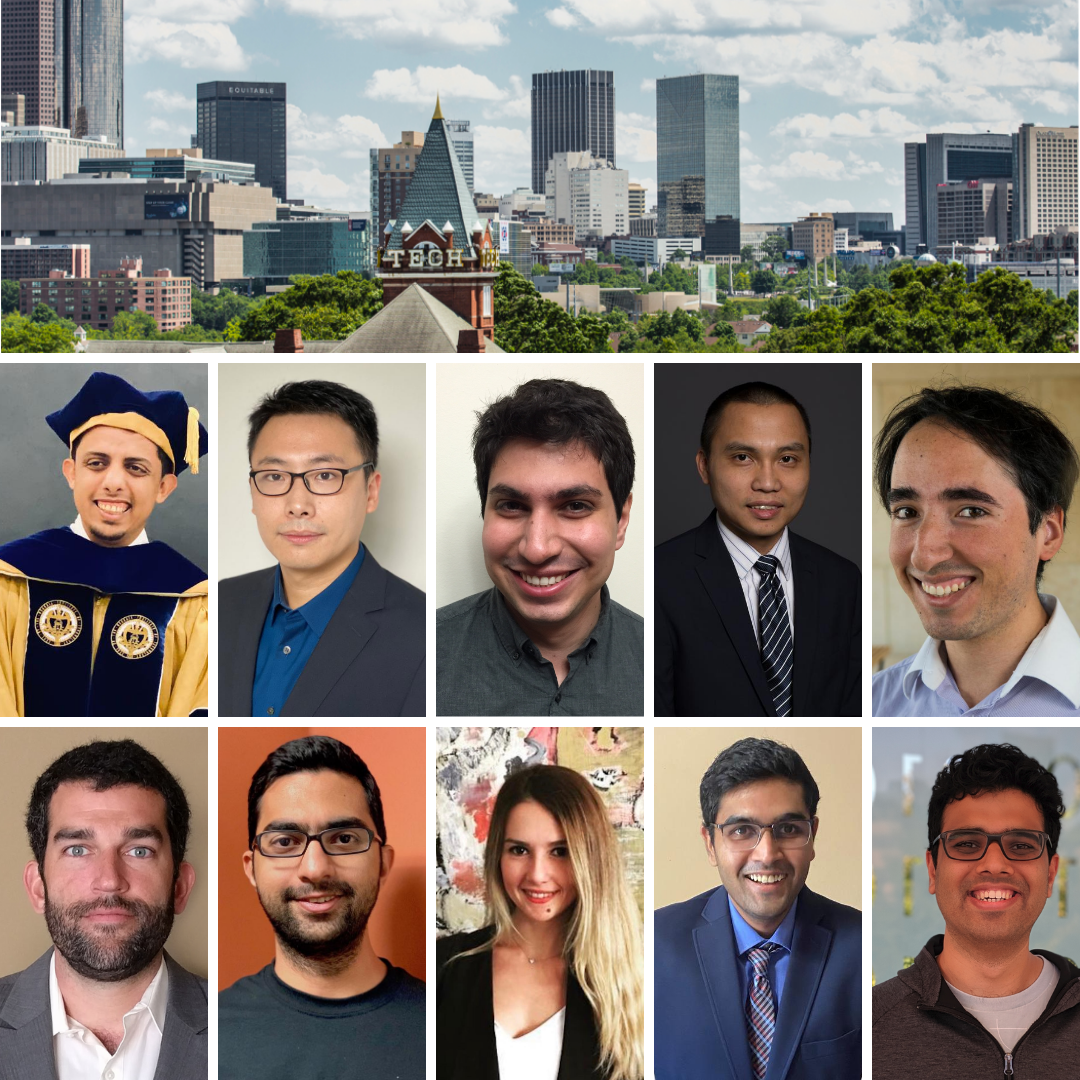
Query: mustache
[(334, 888), (85, 907)]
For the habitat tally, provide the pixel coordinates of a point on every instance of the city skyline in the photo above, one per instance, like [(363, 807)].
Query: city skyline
[(829, 93)]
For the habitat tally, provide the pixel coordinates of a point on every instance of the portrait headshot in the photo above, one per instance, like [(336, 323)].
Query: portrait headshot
[(539, 877), (754, 618), (972, 858), (322, 581), (974, 472), (321, 903), (96, 977), (103, 541), (540, 595), (759, 976)]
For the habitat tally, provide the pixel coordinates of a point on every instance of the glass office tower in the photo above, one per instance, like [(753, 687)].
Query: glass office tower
[(697, 156), (571, 110)]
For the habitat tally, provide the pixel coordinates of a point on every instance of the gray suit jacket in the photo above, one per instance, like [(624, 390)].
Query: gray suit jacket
[(26, 1041), (369, 662)]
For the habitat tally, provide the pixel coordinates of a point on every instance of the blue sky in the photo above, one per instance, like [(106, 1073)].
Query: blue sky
[(831, 89)]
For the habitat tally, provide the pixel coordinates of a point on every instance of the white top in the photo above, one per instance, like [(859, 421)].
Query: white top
[(79, 530), (1007, 1018), (532, 1056), (744, 557), (79, 1053)]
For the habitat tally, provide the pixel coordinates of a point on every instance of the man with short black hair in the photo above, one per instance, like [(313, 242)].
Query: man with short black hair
[(317, 855), (554, 470), (108, 825), (752, 619), (977, 483), (760, 976), (328, 631), (978, 1001)]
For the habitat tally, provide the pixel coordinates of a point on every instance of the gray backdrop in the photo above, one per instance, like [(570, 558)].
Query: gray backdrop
[(36, 495), (832, 397)]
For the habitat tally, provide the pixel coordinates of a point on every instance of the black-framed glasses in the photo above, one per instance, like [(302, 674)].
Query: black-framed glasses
[(317, 481), (1017, 845), (292, 843), (746, 835)]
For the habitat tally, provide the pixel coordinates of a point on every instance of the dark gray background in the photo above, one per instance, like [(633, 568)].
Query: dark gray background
[(36, 495), (832, 397)]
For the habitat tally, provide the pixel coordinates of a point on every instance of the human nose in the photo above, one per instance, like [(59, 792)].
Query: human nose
[(766, 477), (109, 874), (115, 476), (299, 501), (540, 541), (315, 863), (766, 846), (931, 544), (539, 868), (993, 858)]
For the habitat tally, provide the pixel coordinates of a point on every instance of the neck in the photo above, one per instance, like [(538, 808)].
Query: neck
[(557, 640), (539, 940), (301, 584), (981, 664), (353, 971), (997, 971), (101, 1005), (107, 541)]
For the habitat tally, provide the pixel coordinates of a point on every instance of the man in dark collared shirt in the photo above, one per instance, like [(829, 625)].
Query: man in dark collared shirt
[(328, 632), (554, 470)]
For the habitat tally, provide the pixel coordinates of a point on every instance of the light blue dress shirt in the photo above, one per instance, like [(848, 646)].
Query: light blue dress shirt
[(746, 937), (1046, 682), (289, 637)]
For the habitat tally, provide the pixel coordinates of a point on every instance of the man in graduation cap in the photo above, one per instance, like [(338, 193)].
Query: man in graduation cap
[(95, 619)]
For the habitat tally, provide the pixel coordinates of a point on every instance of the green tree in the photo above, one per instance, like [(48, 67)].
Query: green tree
[(10, 292), (781, 311), (133, 326), (43, 314), (746, 253), (539, 269), (19, 334), (215, 312), (525, 322), (774, 247), (678, 253), (763, 281)]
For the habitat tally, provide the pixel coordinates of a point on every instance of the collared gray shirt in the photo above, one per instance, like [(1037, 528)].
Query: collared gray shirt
[(487, 666)]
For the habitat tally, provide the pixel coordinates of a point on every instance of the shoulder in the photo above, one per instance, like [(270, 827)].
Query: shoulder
[(824, 561), (679, 548), (446, 948), (891, 997), (186, 981), (245, 585), (460, 612), (683, 916), (400, 593), (406, 990), (247, 995), (37, 972), (887, 687), (627, 619), (831, 913)]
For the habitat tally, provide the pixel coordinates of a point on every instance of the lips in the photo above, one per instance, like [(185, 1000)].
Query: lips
[(766, 878), (543, 585), (112, 508), (536, 897), (945, 586), (300, 538), (764, 511), (318, 903)]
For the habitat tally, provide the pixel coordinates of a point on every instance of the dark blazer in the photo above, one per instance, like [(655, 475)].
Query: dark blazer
[(465, 1018), (700, 1023), (26, 1039), (369, 662), (707, 660)]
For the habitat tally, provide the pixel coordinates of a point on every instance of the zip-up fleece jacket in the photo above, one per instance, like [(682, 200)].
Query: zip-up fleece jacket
[(921, 1032)]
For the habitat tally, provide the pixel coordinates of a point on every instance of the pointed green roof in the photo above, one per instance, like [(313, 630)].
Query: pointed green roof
[(439, 192)]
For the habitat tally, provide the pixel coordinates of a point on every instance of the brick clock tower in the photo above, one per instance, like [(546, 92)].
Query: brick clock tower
[(439, 242)]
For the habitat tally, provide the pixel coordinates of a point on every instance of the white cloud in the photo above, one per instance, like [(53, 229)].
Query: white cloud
[(635, 137), (867, 123), (647, 86), (351, 136), (189, 44), (208, 11), (170, 101), (744, 94), (417, 25), (814, 164), (561, 18), (518, 101), (312, 183), (798, 208), (502, 158), (419, 87), (158, 126), (755, 176)]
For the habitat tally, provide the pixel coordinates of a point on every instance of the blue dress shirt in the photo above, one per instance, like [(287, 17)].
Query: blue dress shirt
[(746, 938), (289, 637)]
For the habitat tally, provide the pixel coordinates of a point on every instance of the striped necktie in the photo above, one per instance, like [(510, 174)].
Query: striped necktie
[(774, 627), (760, 1009)]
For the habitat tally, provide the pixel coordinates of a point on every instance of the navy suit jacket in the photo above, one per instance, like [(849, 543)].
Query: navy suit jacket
[(370, 660), (707, 659), (700, 1021)]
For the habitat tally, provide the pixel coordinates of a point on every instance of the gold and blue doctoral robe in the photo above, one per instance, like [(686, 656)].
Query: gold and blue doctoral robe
[(87, 630)]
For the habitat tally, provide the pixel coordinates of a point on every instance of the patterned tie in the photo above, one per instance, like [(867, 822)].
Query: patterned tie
[(760, 1009), (777, 649)]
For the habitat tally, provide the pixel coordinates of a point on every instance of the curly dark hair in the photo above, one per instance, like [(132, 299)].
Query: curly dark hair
[(994, 767)]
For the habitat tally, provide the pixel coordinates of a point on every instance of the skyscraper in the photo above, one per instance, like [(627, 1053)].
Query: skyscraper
[(571, 110), (462, 140), (697, 155), (28, 53), (245, 121), (1044, 179)]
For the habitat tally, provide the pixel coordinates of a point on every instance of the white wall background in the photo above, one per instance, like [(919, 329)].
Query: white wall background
[(395, 532), (461, 390)]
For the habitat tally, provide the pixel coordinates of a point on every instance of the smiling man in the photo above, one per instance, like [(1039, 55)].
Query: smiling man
[(95, 619), (977, 1001), (554, 470), (327, 1005), (752, 619), (760, 975), (977, 484), (328, 631), (108, 825)]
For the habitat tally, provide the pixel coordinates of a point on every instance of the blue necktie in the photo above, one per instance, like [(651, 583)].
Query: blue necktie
[(774, 627), (760, 1009)]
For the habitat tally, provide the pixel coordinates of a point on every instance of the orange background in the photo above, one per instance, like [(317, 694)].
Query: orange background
[(397, 760)]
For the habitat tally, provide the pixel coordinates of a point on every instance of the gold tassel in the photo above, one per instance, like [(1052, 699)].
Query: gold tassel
[(191, 454)]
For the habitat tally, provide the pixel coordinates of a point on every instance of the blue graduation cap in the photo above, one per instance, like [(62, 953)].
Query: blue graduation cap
[(162, 416)]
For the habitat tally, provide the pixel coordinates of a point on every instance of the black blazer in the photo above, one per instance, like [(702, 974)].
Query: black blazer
[(465, 1018), (707, 661), (369, 662)]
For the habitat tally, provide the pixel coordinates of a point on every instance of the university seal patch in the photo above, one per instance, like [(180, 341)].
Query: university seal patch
[(57, 623), (134, 637)]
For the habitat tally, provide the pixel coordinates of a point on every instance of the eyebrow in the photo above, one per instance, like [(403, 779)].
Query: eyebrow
[(956, 494), (525, 843), (133, 832), (312, 459), (296, 826), (746, 448), (131, 460), (576, 492), (741, 819)]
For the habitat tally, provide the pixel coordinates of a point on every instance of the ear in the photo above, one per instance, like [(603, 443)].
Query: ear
[(166, 487), (185, 882), (706, 835), (813, 836), (1054, 862), (624, 520), (34, 884), (373, 492), (1051, 534), (702, 466), (931, 871), (68, 469), (249, 867), (386, 861)]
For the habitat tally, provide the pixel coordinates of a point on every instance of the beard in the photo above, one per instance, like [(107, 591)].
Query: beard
[(109, 953), (326, 943)]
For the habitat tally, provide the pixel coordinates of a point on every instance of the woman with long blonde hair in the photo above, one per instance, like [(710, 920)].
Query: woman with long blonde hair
[(552, 987)]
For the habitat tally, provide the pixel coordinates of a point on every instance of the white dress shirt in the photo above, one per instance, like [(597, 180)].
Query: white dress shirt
[(534, 1055), (744, 557), (78, 529), (79, 1053)]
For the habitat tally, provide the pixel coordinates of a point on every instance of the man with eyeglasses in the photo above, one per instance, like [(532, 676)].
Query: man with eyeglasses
[(978, 1002), (327, 1005), (328, 632), (760, 976)]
